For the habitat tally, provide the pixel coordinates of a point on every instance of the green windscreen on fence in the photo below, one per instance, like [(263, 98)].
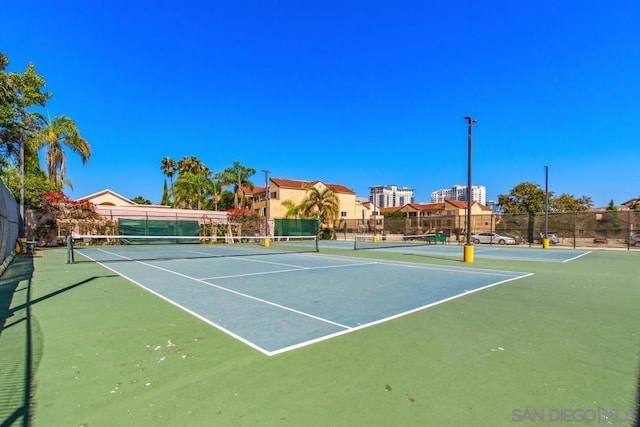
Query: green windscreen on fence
[(296, 227), (148, 227), (10, 222)]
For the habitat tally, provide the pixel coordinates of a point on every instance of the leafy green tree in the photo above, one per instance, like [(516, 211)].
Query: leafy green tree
[(238, 176), (35, 185), (18, 93), (225, 200), (141, 200), (54, 135), (166, 200), (568, 203), (525, 197), (610, 224)]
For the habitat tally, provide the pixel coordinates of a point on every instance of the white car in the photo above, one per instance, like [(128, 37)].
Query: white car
[(492, 237)]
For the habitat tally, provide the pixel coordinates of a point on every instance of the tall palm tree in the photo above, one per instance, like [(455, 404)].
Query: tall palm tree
[(238, 176), (321, 203), (169, 167), (54, 135), (216, 185), (193, 165)]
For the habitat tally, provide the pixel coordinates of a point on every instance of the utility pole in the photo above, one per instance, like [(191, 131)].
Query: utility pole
[(266, 203), (545, 240), (468, 248)]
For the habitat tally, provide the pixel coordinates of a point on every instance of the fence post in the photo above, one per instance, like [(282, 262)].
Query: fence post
[(69, 249)]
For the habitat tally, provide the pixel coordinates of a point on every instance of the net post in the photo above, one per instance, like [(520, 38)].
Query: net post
[(69, 249)]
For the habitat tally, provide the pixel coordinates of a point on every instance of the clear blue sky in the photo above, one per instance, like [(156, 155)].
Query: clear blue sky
[(359, 93)]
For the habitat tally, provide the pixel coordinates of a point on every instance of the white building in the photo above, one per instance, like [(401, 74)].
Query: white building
[(459, 192), (387, 196)]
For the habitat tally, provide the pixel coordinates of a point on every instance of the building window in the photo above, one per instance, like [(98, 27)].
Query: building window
[(343, 214)]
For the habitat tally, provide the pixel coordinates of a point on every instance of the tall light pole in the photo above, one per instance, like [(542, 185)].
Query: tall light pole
[(468, 247), (266, 203), (545, 239)]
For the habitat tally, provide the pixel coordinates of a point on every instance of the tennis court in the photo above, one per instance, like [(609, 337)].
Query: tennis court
[(515, 253), (281, 301)]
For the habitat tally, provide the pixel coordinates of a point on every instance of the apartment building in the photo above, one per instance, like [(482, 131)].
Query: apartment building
[(281, 190), (459, 192), (388, 196)]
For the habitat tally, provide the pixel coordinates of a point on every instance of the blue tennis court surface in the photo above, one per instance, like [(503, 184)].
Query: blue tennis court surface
[(515, 253), (275, 303)]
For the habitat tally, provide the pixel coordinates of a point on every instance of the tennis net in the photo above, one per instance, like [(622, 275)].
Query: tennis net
[(140, 248), (368, 241)]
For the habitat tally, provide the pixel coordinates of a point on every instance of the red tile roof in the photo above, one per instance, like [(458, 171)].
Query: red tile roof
[(304, 185)]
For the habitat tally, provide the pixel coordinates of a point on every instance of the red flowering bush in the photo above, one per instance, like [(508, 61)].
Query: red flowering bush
[(63, 207), (250, 223)]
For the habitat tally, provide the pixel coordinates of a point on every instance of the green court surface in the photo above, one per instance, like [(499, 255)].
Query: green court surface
[(83, 346)]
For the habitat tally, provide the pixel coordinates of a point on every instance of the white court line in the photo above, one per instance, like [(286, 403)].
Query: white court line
[(577, 256), (395, 316), (345, 329), (451, 268), (261, 273), (222, 288)]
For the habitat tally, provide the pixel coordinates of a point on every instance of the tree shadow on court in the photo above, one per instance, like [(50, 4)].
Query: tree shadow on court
[(21, 347)]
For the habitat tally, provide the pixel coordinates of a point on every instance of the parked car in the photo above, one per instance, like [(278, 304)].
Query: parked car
[(493, 237), (635, 240), (519, 239), (553, 239)]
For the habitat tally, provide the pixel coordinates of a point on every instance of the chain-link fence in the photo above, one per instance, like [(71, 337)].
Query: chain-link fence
[(9, 222), (613, 229)]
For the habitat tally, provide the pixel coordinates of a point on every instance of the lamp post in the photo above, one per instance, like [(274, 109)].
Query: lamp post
[(266, 206), (545, 239), (468, 247)]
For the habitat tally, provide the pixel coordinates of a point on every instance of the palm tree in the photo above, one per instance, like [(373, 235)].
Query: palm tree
[(54, 135), (193, 165), (293, 210), (192, 191), (238, 176), (321, 203), (169, 168), (216, 185)]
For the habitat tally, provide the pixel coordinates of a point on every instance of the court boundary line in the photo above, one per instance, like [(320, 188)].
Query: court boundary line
[(326, 267), (345, 328), (395, 316)]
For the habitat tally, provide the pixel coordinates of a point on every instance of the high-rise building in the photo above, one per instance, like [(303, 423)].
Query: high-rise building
[(386, 196), (459, 192)]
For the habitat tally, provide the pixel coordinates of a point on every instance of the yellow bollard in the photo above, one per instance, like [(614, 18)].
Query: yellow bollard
[(375, 239), (468, 253), (267, 242), (545, 243), (21, 245)]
